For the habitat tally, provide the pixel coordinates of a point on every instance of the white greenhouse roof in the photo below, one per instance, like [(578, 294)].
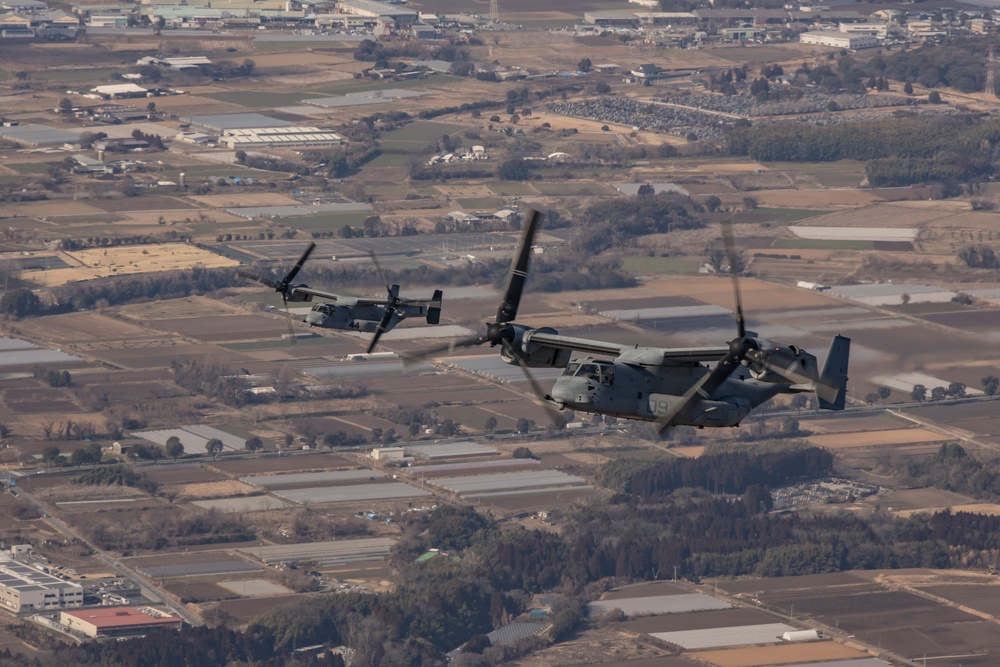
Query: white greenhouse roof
[(662, 604)]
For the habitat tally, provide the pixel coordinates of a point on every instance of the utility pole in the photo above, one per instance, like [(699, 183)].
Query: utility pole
[(494, 11)]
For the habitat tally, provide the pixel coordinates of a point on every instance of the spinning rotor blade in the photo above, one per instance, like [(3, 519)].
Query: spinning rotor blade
[(708, 383), (383, 324), (499, 332), (258, 279), (730, 241), (378, 269), (449, 348), (518, 270), (552, 412), (298, 266)]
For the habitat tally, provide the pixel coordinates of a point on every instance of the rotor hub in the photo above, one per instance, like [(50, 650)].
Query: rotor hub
[(498, 332)]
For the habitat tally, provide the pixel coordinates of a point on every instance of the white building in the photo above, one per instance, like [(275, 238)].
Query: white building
[(119, 91), (279, 137), (838, 40), (880, 30), (389, 454), (26, 588)]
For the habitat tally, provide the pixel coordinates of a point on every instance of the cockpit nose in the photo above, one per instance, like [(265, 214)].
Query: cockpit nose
[(571, 391), (314, 319)]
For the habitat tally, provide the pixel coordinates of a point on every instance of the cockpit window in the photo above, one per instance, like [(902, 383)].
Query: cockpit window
[(600, 372)]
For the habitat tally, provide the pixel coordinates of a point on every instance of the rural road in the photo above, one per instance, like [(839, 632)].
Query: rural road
[(147, 588)]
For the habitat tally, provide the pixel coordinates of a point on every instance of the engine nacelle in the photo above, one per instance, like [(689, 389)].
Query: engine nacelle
[(296, 296), (774, 357), (729, 412), (534, 355)]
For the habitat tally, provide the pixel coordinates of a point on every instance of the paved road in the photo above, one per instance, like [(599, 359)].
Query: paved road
[(149, 590)]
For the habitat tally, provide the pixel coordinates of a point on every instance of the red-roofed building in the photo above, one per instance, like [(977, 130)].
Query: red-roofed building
[(118, 621)]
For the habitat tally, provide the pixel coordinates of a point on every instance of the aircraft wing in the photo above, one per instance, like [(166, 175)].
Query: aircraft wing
[(578, 344), (629, 353), (338, 298)]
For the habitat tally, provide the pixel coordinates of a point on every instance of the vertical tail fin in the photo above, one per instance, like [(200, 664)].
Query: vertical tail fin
[(834, 375), (434, 310)]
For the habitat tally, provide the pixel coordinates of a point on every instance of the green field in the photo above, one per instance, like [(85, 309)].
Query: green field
[(391, 160), (90, 75), (281, 47), (398, 191), (823, 244), (325, 221), (360, 85), (424, 131), (482, 202), (659, 265), (29, 167), (840, 174), (785, 216), (568, 189), (511, 189), (260, 99)]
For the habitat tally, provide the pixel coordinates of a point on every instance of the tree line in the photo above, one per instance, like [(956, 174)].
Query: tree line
[(897, 152)]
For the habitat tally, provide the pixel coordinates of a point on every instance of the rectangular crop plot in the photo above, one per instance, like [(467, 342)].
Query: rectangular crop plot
[(14, 352), (450, 450), (767, 633), (198, 569), (325, 553), (511, 481), (352, 493), (193, 437), (248, 504), (254, 588), (292, 479), (492, 465), (665, 604)]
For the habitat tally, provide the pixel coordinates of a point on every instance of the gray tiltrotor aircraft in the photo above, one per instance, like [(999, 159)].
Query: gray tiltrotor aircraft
[(353, 313), (668, 386)]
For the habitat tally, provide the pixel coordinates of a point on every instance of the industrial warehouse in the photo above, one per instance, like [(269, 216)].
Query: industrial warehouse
[(24, 588), (279, 137)]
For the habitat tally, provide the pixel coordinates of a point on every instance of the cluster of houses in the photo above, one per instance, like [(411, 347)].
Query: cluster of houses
[(505, 215), (380, 19), (30, 19), (474, 153), (843, 26)]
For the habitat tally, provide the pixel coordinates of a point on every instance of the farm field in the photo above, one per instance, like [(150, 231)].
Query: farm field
[(134, 347)]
